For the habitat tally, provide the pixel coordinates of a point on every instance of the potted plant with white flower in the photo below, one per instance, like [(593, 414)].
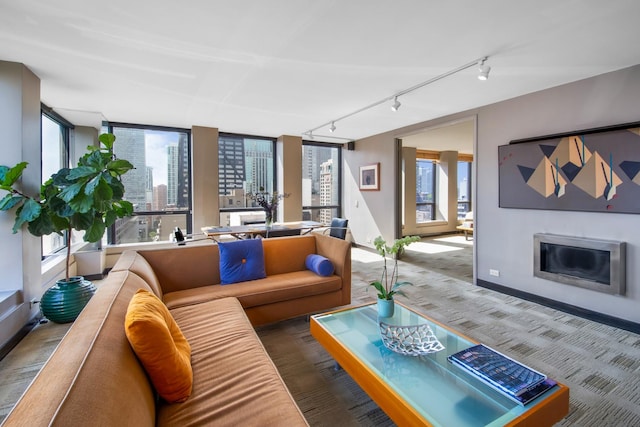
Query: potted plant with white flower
[(389, 285)]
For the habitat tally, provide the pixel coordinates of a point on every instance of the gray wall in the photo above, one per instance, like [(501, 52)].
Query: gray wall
[(504, 237)]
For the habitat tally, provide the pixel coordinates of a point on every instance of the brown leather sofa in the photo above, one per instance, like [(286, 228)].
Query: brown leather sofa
[(94, 377)]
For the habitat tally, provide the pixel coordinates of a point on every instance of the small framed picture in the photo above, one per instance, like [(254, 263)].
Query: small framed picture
[(370, 177)]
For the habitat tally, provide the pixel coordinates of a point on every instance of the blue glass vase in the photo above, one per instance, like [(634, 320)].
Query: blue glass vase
[(64, 301)]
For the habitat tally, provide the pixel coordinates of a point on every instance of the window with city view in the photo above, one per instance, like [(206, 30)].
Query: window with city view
[(55, 155), (246, 165), (321, 182), (464, 188), (425, 190), (159, 187)]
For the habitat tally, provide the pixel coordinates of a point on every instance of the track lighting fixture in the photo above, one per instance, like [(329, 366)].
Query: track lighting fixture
[(480, 63), (483, 69), (396, 104)]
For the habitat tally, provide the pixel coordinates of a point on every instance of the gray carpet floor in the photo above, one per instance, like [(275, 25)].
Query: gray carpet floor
[(600, 364)]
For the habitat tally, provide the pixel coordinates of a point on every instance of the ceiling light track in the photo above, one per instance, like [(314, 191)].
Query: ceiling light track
[(396, 104)]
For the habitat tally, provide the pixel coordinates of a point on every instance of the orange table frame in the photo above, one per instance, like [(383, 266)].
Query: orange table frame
[(546, 413)]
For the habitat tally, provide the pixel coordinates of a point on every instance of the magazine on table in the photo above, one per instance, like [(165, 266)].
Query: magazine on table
[(513, 379)]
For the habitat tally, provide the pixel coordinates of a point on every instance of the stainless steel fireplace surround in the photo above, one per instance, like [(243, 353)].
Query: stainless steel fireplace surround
[(589, 263)]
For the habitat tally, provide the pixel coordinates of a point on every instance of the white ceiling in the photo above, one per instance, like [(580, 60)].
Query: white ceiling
[(286, 66)]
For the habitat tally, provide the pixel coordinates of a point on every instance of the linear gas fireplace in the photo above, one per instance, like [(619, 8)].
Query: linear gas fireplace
[(589, 263)]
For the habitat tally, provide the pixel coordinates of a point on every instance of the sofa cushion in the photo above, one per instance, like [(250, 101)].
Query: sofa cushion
[(235, 381), (320, 265), (241, 260), (160, 346), (287, 254), (271, 289)]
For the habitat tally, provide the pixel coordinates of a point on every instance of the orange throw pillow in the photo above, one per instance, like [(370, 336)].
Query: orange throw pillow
[(160, 345)]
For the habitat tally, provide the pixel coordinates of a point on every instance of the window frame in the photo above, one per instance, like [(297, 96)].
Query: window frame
[(65, 161), (338, 207), (188, 211)]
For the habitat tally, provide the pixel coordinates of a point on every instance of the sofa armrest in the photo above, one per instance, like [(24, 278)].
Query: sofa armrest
[(339, 252)]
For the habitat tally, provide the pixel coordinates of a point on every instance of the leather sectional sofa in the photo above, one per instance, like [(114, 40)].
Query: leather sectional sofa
[(95, 378)]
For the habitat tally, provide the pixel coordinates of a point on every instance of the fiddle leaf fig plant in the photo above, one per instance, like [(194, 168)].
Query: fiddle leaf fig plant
[(387, 286), (88, 197)]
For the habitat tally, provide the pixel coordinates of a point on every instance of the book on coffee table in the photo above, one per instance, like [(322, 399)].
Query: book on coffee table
[(516, 381)]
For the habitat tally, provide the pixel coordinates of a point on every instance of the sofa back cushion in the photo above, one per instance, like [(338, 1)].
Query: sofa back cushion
[(131, 260), (185, 267), (287, 254), (93, 377)]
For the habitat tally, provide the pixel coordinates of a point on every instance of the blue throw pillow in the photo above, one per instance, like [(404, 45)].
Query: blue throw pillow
[(318, 264), (241, 260)]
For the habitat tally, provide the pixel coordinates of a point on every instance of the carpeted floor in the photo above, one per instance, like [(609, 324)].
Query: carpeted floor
[(599, 363)]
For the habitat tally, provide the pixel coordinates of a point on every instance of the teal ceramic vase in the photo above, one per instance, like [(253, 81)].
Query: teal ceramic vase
[(64, 301), (385, 307)]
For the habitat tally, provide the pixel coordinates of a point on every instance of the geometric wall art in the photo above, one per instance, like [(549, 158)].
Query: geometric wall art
[(596, 170)]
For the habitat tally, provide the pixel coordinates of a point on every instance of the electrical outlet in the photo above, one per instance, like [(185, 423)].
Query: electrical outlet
[(33, 302), (494, 272)]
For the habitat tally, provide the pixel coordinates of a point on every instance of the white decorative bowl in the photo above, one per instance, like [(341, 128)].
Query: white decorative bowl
[(413, 340)]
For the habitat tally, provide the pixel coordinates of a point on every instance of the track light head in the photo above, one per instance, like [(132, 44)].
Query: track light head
[(484, 70), (332, 128), (396, 104)]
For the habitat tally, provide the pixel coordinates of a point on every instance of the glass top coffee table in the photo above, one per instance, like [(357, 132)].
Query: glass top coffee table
[(428, 389)]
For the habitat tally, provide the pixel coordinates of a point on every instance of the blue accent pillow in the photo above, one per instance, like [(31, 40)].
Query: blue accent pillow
[(241, 260), (318, 264)]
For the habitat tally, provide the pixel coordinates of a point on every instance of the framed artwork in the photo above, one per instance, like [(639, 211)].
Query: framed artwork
[(370, 177), (593, 170)]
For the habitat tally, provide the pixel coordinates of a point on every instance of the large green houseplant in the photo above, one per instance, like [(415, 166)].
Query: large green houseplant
[(88, 197), (388, 285)]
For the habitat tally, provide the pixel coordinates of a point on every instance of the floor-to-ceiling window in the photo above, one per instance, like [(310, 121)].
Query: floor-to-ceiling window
[(464, 188), (321, 181), (246, 165), (55, 155), (425, 190), (160, 185)]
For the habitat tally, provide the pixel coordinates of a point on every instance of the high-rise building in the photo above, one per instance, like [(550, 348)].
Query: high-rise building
[(130, 145), (172, 175), (160, 197), (149, 188), (259, 166), (231, 168), (327, 185), (182, 191)]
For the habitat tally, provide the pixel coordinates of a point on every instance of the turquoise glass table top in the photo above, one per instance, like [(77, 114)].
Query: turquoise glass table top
[(442, 393)]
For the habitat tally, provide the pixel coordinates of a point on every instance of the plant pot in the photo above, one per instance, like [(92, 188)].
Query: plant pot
[(63, 302), (385, 307)]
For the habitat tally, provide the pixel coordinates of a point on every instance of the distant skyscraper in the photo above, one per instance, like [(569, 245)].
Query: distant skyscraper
[(149, 188), (326, 190), (130, 145), (231, 168), (160, 197), (172, 175), (183, 171), (259, 164)]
